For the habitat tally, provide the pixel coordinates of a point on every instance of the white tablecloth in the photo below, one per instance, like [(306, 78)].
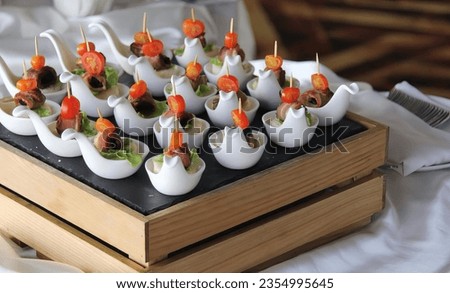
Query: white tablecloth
[(412, 233)]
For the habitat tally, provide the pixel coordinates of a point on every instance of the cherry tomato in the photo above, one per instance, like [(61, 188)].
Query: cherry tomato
[(193, 70), (273, 62), (82, 48), (319, 81), (193, 28), (152, 48), (231, 40), (37, 62), (176, 140), (138, 89), (93, 62), (141, 38), (176, 104), (240, 119), (70, 107), (228, 83), (26, 84), (290, 94), (103, 124)]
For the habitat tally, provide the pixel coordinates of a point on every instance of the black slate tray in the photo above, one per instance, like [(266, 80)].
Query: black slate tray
[(138, 193)]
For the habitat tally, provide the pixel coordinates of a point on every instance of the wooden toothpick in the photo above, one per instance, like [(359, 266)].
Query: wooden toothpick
[(174, 90), (193, 14), (24, 68), (36, 50), (69, 94), (240, 106), (83, 36), (149, 36), (137, 76), (317, 61), (290, 81), (195, 59), (228, 70), (99, 114), (231, 25), (275, 49), (144, 22)]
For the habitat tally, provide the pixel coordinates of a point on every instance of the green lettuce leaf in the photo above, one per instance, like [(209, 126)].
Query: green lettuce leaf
[(126, 153), (43, 111), (112, 77), (216, 61), (87, 128), (202, 90)]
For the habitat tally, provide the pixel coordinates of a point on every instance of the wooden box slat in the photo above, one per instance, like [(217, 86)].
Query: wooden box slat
[(325, 215)]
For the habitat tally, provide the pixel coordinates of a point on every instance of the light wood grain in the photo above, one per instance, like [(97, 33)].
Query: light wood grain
[(57, 240), (297, 227), (74, 201)]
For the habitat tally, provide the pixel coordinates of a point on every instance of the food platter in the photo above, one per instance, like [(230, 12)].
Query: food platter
[(137, 191)]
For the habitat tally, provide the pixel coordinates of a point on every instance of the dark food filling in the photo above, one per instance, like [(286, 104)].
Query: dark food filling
[(201, 79), (252, 141), (45, 77), (108, 140), (96, 82), (280, 74), (159, 62), (224, 51), (32, 99), (145, 104), (63, 124), (182, 152)]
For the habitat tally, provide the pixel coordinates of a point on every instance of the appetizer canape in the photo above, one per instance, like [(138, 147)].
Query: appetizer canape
[(149, 59), (99, 77), (50, 133), (231, 58), (238, 147), (29, 95), (194, 43), (194, 129), (109, 156), (219, 106), (194, 87), (320, 100), (94, 81), (137, 114), (291, 125), (66, 56), (267, 85), (46, 77), (178, 170)]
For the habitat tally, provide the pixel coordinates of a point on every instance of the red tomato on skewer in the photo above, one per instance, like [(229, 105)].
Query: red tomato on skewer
[(273, 62), (70, 107), (138, 89), (290, 94), (176, 104), (193, 70), (152, 48), (141, 38), (228, 83), (319, 81), (37, 62), (193, 28), (93, 62), (103, 124), (240, 119), (26, 84), (231, 40), (82, 48)]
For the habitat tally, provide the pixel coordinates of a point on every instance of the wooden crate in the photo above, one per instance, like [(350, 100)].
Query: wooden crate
[(234, 228)]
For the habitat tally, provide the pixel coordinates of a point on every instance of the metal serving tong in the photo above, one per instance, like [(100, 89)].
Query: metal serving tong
[(430, 113)]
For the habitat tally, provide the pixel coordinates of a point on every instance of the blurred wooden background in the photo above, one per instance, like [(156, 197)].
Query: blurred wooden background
[(381, 42)]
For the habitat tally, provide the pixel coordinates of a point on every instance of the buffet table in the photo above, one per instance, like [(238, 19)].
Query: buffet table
[(380, 190)]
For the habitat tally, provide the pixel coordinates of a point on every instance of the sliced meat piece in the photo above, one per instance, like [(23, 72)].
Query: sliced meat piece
[(32, 99)]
